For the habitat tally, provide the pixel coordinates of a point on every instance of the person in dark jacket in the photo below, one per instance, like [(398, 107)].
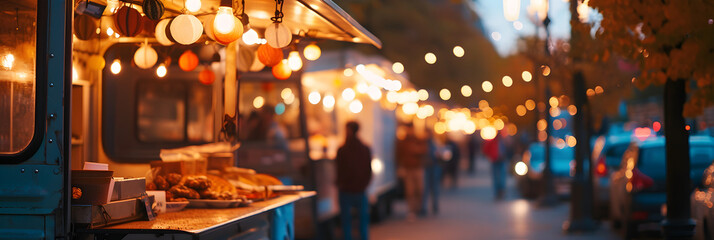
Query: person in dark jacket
[(354, 172)]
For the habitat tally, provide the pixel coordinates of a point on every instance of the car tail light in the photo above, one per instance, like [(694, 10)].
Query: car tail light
[(601, 168), (639, 215), (640, 181)]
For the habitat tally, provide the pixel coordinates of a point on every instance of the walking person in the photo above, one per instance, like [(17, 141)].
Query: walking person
[(354, 172), (432, 177), (492, 150), (412, 153)]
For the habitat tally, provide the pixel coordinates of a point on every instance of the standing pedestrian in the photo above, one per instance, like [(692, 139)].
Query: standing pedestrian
[(354, 172), (412, 152), (452, 157), (473, 149), (492, 150), (432, 177)]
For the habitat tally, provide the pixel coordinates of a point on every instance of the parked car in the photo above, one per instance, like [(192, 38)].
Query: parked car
[(703, 206), (606, 157), (638, 188), (529, 173)]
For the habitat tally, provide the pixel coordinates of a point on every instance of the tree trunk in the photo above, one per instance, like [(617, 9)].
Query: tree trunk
[(581, 188), (677, 224)]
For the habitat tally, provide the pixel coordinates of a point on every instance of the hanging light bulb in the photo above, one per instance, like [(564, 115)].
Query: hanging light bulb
[(226, 27), (312, 52), (224, 20), (250, 37), (161, 71), (116, 66), (110, 31), (294, 61), (193, 5), (511, 9)]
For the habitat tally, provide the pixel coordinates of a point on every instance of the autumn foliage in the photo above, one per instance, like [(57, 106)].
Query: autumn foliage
[(670, 40)]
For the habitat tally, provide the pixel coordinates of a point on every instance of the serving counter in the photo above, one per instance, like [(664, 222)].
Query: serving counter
[(272, 218)]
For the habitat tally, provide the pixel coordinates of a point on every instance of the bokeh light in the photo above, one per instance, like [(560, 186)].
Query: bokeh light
[(458, 51), (526, 75), (466, 91), (487, 86), (445, 94), (430, 58), (397, 67), (507, 81)]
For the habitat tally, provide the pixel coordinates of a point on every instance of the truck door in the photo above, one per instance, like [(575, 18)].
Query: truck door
[(35, 83)]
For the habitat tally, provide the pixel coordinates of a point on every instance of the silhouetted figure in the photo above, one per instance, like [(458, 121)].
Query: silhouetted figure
[(412, 152), (452, 157), (473, 149), (354, 171), (492, 150), (432, 178)]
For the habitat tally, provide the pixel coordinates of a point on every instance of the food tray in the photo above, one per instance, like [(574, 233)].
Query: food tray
[(208, 203)]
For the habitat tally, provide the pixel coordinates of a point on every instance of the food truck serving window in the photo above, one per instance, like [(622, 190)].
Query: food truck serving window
[(18, 55)]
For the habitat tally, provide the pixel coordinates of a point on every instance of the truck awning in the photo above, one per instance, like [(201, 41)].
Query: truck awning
[(316, 18)]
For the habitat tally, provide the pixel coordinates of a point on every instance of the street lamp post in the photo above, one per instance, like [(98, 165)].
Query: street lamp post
[(548, 196)]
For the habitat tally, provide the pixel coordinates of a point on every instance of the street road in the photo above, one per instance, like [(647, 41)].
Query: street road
[(470, 212)]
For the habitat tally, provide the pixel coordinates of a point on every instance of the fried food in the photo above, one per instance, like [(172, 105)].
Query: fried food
[(208, 194), (198, 182), (178, 200), (150, 186), (161, 183), (185, 192), (174, 178)]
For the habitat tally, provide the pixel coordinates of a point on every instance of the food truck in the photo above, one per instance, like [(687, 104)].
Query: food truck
[(128, 119)]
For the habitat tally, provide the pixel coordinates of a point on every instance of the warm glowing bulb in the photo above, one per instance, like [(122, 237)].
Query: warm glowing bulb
[(348, 94), (526, 75), (458, 51), (258, 102), (511, 9), (193, 5), (312, 52), (110, 31), (466, 91), (314, 97), (397, 67), (430, 58), (116, 66), (487, 86), (294, 61), (445, 94), (355, 106), (224, 22), (161, 71), (250, 37)]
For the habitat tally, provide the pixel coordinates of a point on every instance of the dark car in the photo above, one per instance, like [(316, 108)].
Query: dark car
[(606, 157), (703, 206), (529, 172), (638, 188)]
